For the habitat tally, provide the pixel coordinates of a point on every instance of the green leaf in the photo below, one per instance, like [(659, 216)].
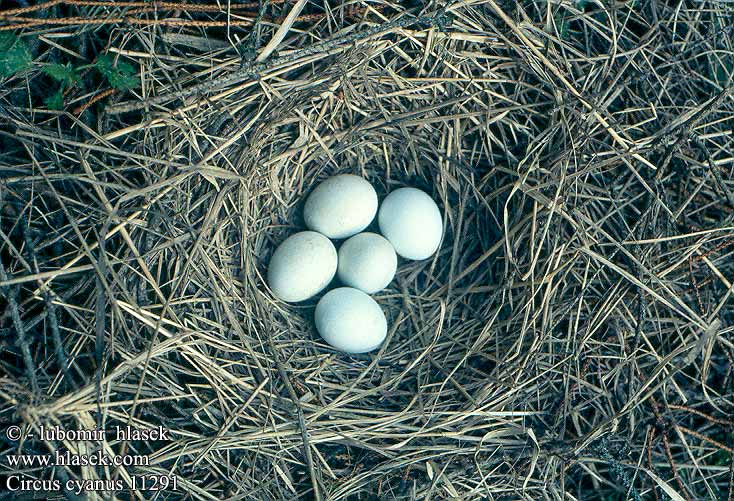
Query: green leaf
[(123, 82), (55, 101), (120, 75), (64, 73), (15, 56), (7, 40)]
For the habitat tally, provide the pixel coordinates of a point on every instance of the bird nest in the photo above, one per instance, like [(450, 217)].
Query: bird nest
[(571, 339)]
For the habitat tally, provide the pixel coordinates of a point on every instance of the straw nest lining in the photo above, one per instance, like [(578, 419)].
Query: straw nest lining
[(571, 338)]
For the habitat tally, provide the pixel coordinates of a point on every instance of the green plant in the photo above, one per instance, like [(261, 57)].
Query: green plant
[(67, 76), (119, 74), (64, 73), (15, 56), (55, 101)]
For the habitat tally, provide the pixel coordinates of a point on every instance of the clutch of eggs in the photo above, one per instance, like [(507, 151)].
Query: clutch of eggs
[(341, 207)]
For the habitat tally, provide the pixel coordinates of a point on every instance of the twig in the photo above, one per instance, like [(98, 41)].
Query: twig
[(301, 420), (704, 438), (192, 7), (97, 97), (725, 422), (650, 464), (730, 495), (669, 455), (11, 297), (254, 69), (24, 22), (53, 320)]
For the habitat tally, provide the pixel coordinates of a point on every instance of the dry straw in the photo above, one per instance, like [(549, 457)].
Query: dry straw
[(571, 340)]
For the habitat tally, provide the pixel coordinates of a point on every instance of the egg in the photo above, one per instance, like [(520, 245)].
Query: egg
[(302, 266), (341, 206), (350, 320), (411, 221), (367, 261)]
